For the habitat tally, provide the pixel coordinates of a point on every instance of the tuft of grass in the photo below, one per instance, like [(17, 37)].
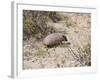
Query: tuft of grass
[(87, 49), (86, 54)]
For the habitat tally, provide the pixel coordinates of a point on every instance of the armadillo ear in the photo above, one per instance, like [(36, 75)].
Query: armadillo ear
[(65, 38)]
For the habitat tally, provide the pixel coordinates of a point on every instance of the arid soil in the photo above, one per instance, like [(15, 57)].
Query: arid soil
[(73, 53)]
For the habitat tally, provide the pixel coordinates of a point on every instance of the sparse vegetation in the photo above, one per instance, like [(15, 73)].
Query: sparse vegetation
[(35, 22), (87, 49), (74, 53), (85, 54)]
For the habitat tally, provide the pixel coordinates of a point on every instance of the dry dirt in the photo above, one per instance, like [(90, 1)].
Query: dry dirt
[(69, 54)]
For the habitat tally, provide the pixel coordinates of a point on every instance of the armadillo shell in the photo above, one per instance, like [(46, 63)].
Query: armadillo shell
[(53, 39)]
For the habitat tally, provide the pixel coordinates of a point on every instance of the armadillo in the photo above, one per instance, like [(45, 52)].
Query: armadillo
[(54, 38)]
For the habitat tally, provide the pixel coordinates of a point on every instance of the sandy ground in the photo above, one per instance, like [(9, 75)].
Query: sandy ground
[(78, 32)]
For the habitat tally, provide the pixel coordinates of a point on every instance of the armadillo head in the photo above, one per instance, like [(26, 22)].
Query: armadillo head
[(65, 38)]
